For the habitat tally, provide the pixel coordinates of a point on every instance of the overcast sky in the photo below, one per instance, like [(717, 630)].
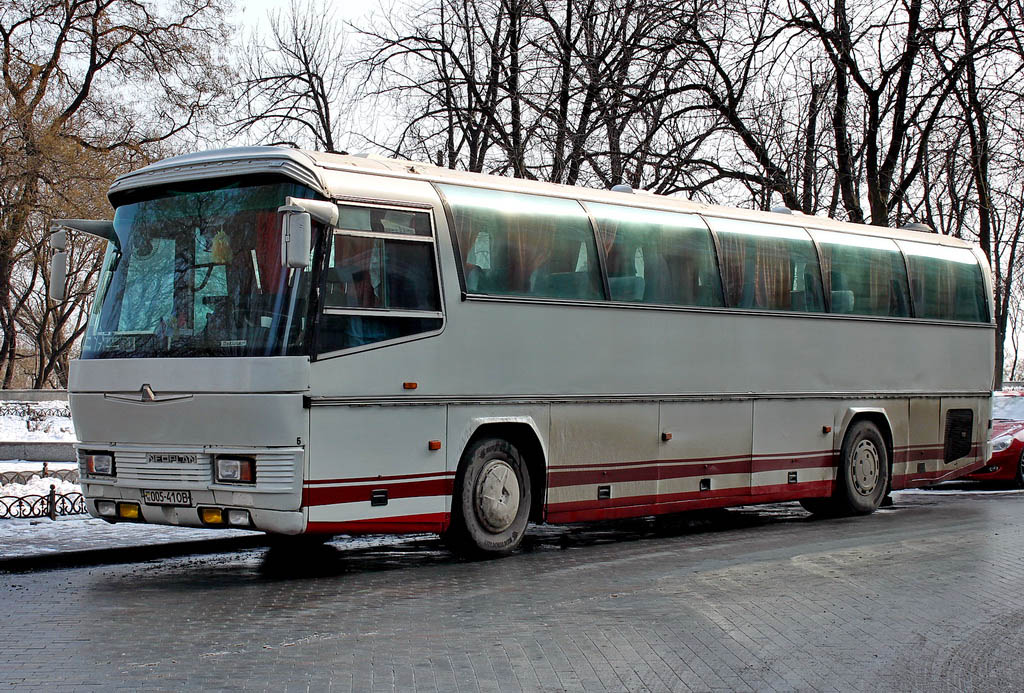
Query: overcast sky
[(252, 13)]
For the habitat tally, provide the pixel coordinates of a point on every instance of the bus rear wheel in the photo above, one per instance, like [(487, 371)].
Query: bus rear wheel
[(863, 476), (491, 499)]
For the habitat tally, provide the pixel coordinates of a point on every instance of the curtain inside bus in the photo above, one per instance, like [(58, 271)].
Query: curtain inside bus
[(768, 266), (524, 245)]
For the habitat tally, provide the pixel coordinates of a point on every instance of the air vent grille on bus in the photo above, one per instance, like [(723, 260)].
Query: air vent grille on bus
[(959, 425)]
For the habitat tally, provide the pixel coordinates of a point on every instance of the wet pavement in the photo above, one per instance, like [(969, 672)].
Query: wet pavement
[(926, 595)]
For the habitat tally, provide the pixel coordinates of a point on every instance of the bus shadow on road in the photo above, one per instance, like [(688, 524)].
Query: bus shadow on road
[(338, 557)]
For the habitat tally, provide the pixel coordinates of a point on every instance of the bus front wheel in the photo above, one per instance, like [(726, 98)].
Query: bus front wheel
[(491, 499), (862, 479)]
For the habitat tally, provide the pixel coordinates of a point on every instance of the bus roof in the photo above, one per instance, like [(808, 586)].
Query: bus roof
[(309, 167)]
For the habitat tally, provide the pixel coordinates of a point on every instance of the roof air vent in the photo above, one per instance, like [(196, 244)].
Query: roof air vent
[(622, 187), (917, 226), (782, 210)]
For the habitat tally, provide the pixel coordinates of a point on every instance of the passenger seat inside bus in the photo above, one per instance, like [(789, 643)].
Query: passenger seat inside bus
[(627, 288), (564, 285)]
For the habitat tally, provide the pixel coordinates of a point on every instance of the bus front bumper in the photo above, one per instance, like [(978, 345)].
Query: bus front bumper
[(178, 487), (111, 508)]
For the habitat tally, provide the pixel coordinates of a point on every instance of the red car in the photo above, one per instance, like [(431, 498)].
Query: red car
[(1007, 436)]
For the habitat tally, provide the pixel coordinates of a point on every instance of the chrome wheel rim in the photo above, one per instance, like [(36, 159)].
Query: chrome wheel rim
[(497, 495), (865, 467)]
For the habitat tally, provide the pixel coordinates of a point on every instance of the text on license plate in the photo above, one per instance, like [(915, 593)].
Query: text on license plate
[(181, 498)]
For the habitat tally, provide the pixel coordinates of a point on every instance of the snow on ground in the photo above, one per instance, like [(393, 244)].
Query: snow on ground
[(25, 537), (959, 491), (37, 486), (32, 537), (35, 427)]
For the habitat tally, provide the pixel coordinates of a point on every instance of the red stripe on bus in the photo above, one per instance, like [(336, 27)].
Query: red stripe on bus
[(356, 494), (402, 524), (692, 460), (639, 463), (915, 479), (654, 470), (356, 480), (583, 511), (777, 462)]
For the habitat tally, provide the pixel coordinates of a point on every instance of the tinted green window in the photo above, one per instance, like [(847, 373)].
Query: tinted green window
[(657, 257), (768, 266), (380, 281), (947, 283), (524, 245), (865, 275)]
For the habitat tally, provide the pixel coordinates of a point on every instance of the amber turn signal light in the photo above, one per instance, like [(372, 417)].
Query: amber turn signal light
[(434, 445), (128, 511), (211, 516)]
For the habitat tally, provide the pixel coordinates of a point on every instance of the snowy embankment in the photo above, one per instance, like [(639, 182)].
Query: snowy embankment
[(36, 485), (37, 422)]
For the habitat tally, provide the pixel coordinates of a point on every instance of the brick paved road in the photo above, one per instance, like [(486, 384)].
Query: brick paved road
[(927, 595)]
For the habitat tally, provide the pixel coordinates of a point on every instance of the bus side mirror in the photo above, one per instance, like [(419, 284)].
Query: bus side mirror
[(296, 235), (58, 273)]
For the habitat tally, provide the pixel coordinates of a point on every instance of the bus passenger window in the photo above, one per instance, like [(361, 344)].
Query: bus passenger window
[(657, 257), (380, 280), (768, 266), (947, 282), (866, 275), (534, 246)]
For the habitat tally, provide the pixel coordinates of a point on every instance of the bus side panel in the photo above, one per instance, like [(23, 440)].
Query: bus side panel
[(708, 455), (371, 469), (603, 461), (466, 420), (922, 456), (793, 448), (896, 412), (978, 435)]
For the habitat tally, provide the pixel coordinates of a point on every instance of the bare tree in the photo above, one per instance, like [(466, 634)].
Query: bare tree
[(114, 77), (291, 87)]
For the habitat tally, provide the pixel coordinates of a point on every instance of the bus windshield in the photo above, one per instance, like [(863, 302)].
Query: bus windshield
[(198, 273)]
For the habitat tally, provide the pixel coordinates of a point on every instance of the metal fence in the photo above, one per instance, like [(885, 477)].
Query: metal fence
[(28, 410), (23, 477), (51, 505)]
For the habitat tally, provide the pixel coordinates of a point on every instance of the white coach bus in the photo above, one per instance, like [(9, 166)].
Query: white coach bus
[(299, 342)]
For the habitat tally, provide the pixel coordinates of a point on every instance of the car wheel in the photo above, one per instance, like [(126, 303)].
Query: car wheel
[(491, 499), (1018, 481)]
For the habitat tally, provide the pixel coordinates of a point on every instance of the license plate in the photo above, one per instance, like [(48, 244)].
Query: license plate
[(180, 498), (170, 458)]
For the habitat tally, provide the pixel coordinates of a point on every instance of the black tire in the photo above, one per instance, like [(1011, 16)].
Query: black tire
[(1018, 481), (862, 479), (491, 500)]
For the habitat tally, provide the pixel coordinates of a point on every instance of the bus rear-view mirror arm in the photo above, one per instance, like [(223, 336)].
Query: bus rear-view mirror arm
[(101, 228), (296, 233), (59, 242)]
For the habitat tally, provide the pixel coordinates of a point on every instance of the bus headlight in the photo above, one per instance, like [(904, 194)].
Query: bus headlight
[(1001, 443), (99, 464), (235, 470)]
